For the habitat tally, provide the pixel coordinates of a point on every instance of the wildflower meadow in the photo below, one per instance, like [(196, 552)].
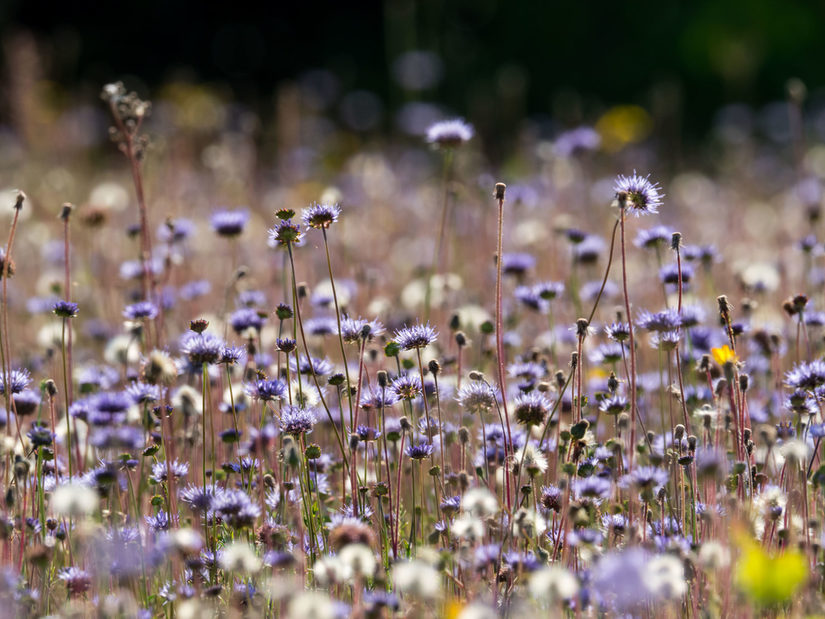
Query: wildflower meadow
[(389, 378)]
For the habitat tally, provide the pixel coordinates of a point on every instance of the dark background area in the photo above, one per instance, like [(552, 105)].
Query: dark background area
[(502, 60)]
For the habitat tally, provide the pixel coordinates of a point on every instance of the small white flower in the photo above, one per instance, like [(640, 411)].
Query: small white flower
[(795, 451), (534, 461), (477, 611), (664, 577), (240, 557), (713, 555), (73, 499), (311, 605), (417, 578), (480, 502), (528, 523), (359, 559), (188, 399), (553, 584), (187, 541), (468, 527), (331, 570)]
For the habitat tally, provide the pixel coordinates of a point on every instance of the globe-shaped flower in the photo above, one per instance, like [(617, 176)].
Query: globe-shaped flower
[(450, 133), (297, 421), (531, 408), (320, 216), (417, 336), (637, 194)]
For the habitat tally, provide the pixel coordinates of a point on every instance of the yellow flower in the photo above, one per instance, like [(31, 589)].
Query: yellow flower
[(723, 355), (769, 579)]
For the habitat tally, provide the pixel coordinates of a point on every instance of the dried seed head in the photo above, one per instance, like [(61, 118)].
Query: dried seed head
[(499, 192), (676, 241)]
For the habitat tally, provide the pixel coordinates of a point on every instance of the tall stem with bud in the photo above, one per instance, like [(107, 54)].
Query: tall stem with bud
[(502, 384)]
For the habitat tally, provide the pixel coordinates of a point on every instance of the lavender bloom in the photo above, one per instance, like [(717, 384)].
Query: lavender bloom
[(646, 478), (419, 451), (246, 318), (235, 508), (321, 367), (231, 355), (477, 397), (530, 298), (251, 298), (77, 581), (65, 309), (665, 320), (320, 216), (417, 336), (324, 325), (669, 274), (654, 237), (175, 230), (614, 405), (638, 194), (576, 140), (143, 393), (160, 470), (143, 310), (198, 498), (806, 375), (285, 233), (589, 250), (450, 133), (353, 330), (194, 289), (618, 331), (406, 387), (592, 487), (201, 347), (531, 408), (611, 352), (297, 421), (551, 498), (692, 315), (124, 438), (229, 223), (158, 522), (379, 398), (517, 263), (266, 390), (26, 402), (19, 379)]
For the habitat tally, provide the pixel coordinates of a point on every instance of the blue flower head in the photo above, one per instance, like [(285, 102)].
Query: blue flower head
[(417, 336), (229, 223), (320, 216), (638, 194)]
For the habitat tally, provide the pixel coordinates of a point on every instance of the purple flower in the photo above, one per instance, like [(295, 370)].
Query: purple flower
[(666, 320), (638, 194), (246, 318), (450, 133), (202, 347), (285, 233), (266, 389), (65, 309), (419, 451), (297, 421), (320, 216), (654, 237), (19, 379), (229, 223), (142, 310), (417, 336)]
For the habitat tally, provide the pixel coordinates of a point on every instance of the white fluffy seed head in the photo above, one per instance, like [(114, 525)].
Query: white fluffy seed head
[(74, 500)]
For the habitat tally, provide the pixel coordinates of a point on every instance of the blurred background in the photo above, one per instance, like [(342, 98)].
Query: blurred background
[(667, 69)]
